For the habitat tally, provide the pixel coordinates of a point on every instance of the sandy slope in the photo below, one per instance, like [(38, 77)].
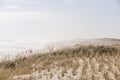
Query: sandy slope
[(87, 69)]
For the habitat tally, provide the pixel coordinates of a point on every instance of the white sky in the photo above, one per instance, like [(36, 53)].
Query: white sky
[(59, 20)]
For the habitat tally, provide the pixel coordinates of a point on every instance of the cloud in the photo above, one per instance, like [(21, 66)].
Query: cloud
[(12, 6), (70, 2), (8, 1), (7, 16), (9, 4)]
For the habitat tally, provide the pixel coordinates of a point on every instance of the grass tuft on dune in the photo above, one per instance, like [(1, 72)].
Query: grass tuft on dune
[(75, 63)]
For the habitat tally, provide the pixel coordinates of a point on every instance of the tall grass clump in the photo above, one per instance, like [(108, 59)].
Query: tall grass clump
[(77, 62)]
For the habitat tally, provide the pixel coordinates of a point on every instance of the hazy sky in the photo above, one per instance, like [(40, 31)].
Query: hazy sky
[(59, 19)]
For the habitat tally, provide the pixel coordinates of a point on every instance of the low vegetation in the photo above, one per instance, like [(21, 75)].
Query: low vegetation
[(75, 63)]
